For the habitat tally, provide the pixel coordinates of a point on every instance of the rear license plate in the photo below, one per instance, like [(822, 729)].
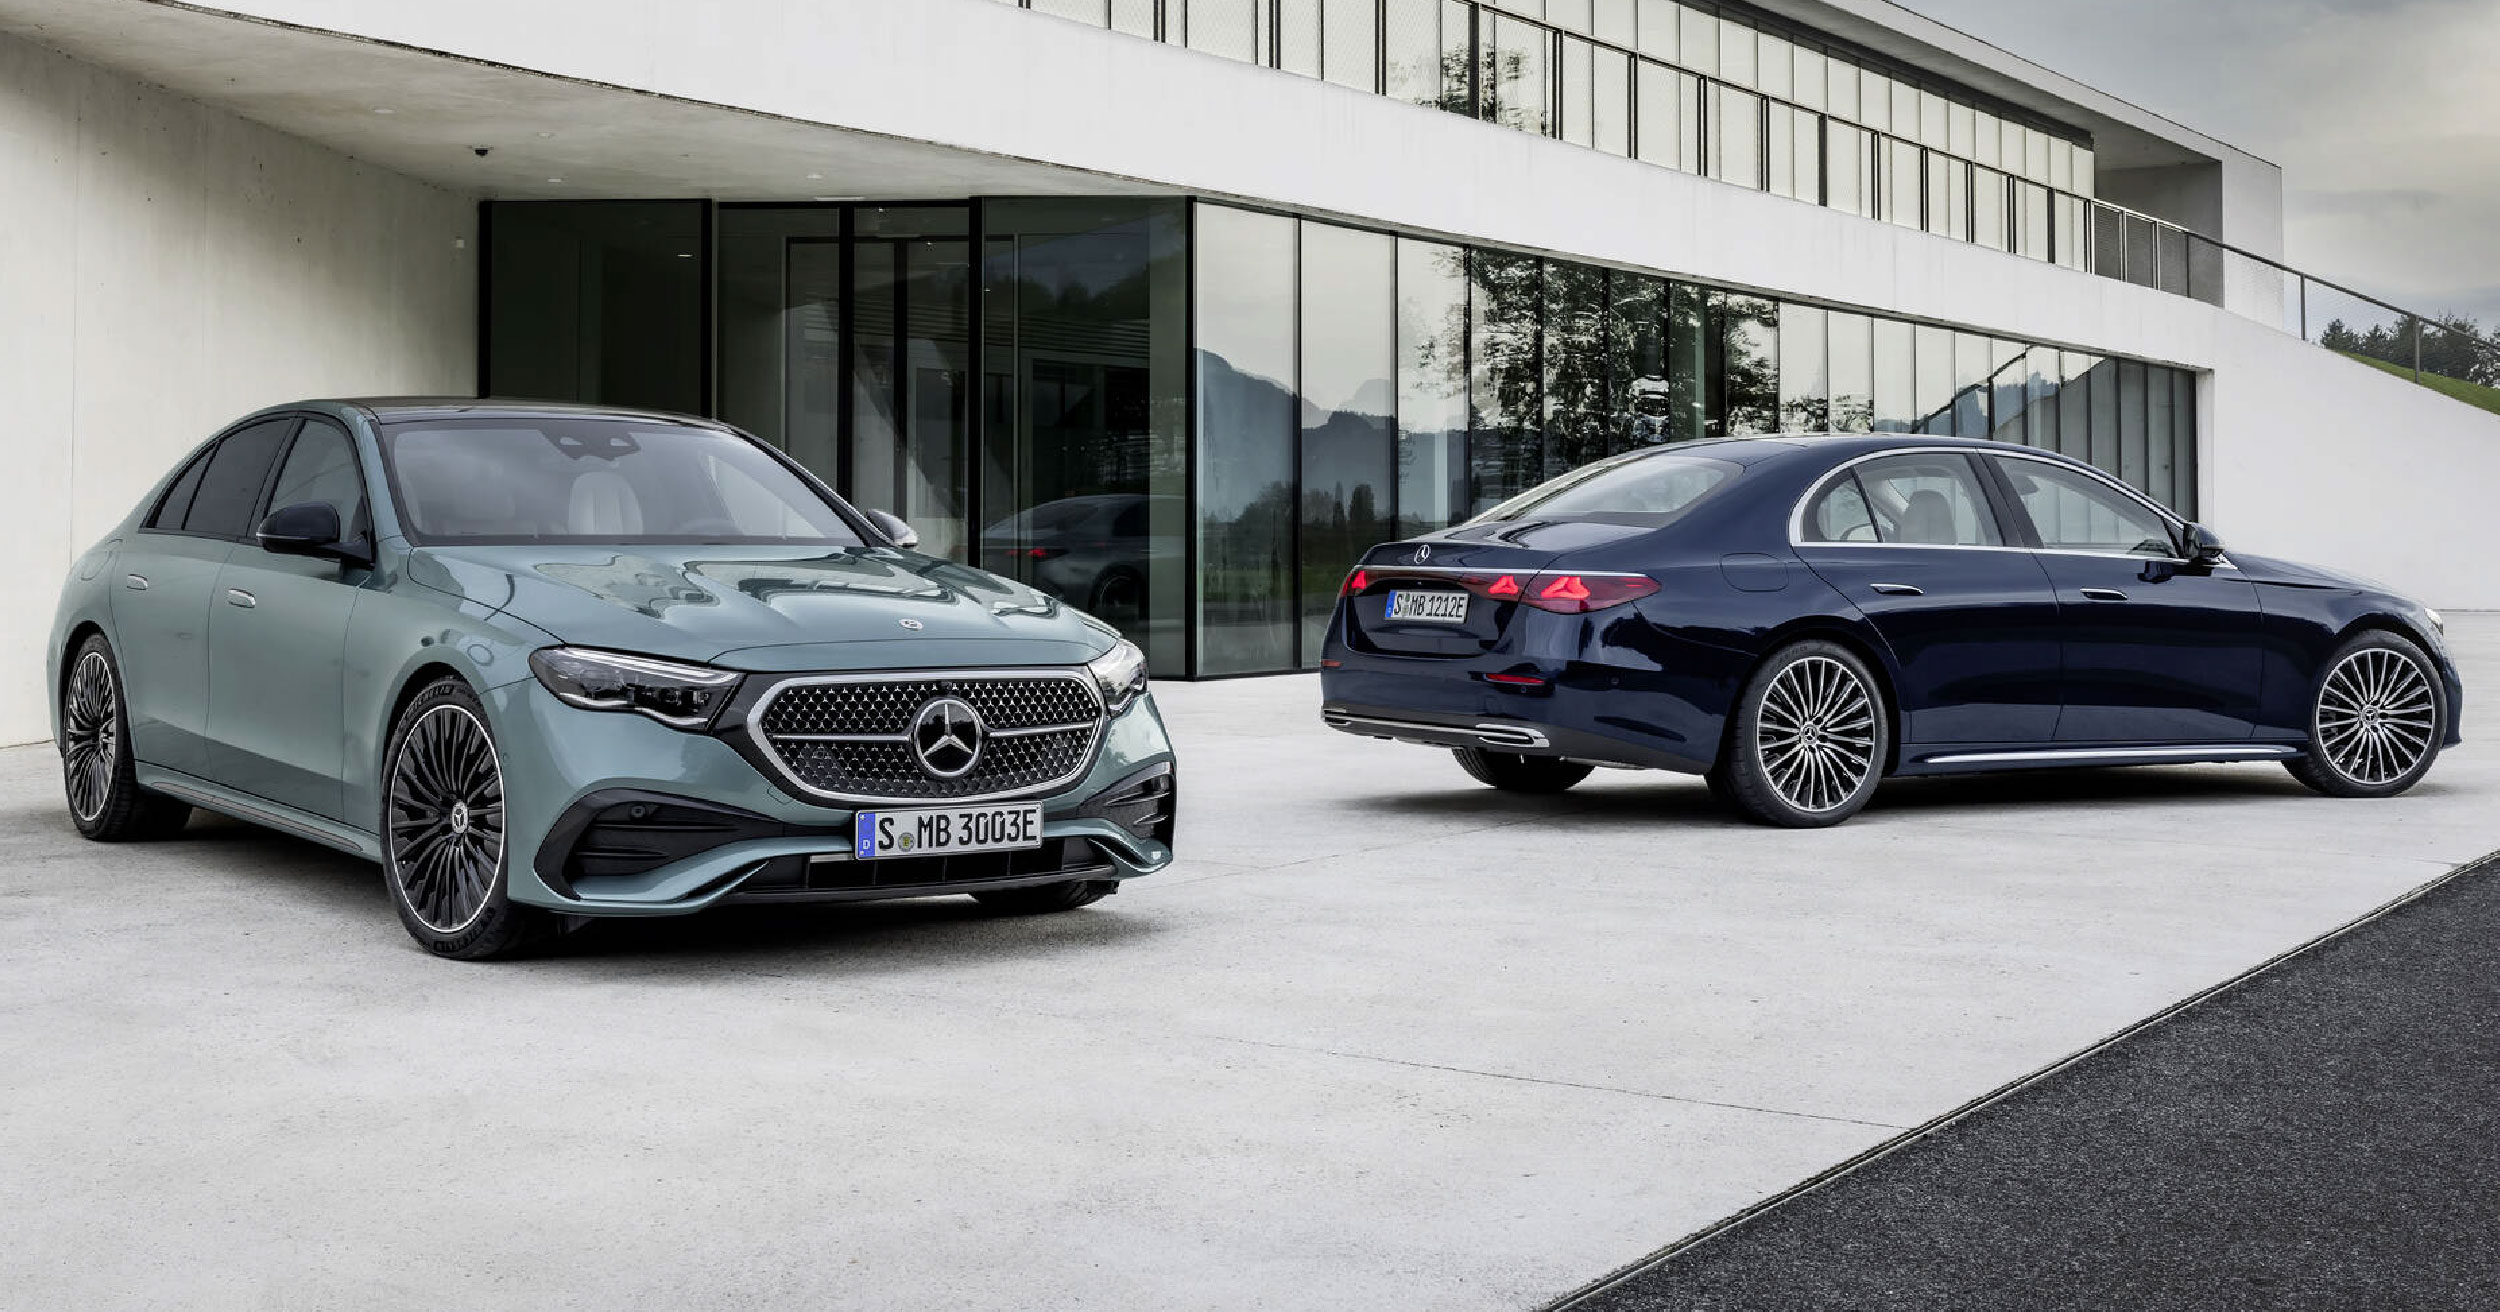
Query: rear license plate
[(880, 835), (1429, 607)]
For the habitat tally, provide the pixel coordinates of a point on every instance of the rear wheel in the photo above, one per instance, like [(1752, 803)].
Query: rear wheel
[(1044, 899), (2376, 720), (443, 849), (1810, 739), (98, 773), (1521, 774)]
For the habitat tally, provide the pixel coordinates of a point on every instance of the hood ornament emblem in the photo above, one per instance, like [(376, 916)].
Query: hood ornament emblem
[(913, 625), (1423, 553), (947, 736)]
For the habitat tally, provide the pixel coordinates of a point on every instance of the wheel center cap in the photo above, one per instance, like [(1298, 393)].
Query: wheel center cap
[(459, 817)]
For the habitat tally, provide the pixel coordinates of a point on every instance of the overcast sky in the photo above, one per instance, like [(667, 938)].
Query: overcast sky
[(2385, 115)]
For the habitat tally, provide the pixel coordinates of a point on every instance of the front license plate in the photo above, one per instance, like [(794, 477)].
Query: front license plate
[(1429, 607), (880, 835)]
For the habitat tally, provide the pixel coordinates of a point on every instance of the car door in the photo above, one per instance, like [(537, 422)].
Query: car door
[(2156, 650), (277, 637), (1915, 542), (168, 575)]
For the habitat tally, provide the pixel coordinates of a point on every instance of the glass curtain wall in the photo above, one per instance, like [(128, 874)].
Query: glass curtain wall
[(1245, 374), (598, 300)]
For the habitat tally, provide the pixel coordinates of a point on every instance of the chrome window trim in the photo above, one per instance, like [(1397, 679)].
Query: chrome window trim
[(753, 724), (1797, 515)]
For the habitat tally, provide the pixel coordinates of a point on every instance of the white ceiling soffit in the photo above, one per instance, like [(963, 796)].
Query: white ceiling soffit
[(424, 115)]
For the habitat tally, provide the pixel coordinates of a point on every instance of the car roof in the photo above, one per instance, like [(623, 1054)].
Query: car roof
[(403, 409)]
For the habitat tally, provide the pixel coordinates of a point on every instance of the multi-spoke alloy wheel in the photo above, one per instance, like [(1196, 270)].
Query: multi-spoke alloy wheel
[(444, 830), (98, 774), (1810, 739), (90, 735), (2378, 722), (446, 813)]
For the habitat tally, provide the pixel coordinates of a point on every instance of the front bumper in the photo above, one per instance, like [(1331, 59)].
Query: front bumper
[(715, 829)]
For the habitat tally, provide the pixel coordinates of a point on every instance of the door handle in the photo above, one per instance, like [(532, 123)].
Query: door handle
[(1897, 589), (2103, 594), (135, 582), (238, 597)]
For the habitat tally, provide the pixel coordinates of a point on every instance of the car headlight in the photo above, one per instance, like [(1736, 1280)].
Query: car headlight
[(1121, 674), (2438, 621), (679, 696)]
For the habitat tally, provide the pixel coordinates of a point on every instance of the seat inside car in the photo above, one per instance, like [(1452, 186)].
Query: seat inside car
[(604, 505), (1928, 519)]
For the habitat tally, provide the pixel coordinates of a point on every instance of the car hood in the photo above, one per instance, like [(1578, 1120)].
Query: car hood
[(770, 608), (2293, 574)]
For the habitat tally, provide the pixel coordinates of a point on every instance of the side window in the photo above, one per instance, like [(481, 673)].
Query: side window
[(321, 466), (1840, 514), (2073, 511), (237, 470), (170, 512), (1928, 500)]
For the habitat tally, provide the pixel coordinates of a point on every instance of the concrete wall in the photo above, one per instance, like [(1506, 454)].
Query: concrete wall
[(165, 267)]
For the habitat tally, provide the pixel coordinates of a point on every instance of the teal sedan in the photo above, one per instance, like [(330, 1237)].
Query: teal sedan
[(545, 663)]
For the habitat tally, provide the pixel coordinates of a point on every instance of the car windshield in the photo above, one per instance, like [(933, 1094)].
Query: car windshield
[(1646, 489), (600, 481)]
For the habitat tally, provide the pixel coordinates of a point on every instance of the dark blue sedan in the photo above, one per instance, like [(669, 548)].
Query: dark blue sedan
[(1796, 618)]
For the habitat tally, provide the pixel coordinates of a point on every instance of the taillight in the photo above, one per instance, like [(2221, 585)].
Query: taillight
[(1578, 594), (1356, 583)]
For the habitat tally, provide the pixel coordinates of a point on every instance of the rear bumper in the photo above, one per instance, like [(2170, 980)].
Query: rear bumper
[(1611, 716), (1500, 734)]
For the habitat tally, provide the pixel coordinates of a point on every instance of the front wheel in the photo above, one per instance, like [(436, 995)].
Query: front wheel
[(443, 849), (1809, 740), (2376, 720), (1521, 774)]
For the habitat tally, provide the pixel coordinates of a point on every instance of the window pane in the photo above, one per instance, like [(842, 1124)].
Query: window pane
[(2161, 466), (1811, 84), (1506, 454), (1222, 27), (1135, 17), (1775, 67), (597, 302), (1668, 101), (1934, 121), (1904, 183), (1246, 427), (2074, 405), (1935, 379), (2042, 411), (169, 513), (1987, 139), (2183, 431), (1647, 489), (1690, 362), (1616, 22), (1662, 24), (1084, 11), (1745, 376), (1298, 36), (1963, 122), (1577, 366), (1700, 43), (1988, 206), (1875, 100), (1840, 89), (1432, 386), (1352, 55), (1417, 74), (1805, 370), (1851, 187), (778, 305), (1840, 515), (1974, 369), (2133, 456), (1569, 15), (321, 466), (1738, 158), (1516, 55), (1896, 378), (1737, 50), (1349, 349), (2073, 511), (237, 470), (1636, 349), (1578, 73), (1852, 354), (1085, 391), (911, 320), (1929, 500), (2102, 382), (1613, 96), (2009, 398)]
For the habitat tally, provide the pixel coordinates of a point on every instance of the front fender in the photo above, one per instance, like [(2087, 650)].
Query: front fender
[(86, 601)]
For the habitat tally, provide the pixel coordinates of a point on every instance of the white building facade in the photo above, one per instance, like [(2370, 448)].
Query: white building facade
[(1170, 307)]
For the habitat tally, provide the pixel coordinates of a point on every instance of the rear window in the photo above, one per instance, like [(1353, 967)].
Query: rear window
[(1646, 489)]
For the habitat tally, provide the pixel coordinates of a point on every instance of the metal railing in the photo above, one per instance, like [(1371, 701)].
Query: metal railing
[(1494, 65)]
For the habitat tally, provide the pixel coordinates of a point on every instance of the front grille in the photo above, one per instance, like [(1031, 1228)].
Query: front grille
[(848, 737)]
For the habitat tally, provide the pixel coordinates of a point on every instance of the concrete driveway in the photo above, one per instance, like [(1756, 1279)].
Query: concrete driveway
[(1384, 1039)]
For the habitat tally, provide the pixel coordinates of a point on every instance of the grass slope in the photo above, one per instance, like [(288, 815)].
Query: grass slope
[(2473, 394)]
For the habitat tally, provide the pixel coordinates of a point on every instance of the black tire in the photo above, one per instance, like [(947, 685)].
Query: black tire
[(2378, 717), (1047, 899), (99, 776), (1521, 774), (444, 855), (1118, 597), (1810, 739)]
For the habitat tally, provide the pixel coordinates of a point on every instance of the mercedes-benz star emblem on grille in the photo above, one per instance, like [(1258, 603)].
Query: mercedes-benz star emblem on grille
[(947, 736), (1423, 553)]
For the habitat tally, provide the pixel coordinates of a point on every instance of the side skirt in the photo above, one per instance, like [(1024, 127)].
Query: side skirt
[(259, 811), (2067, 758)]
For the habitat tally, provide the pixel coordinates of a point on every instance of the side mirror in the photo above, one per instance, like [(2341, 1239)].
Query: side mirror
[(309, 528), (894, 529), (2203, 547)]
